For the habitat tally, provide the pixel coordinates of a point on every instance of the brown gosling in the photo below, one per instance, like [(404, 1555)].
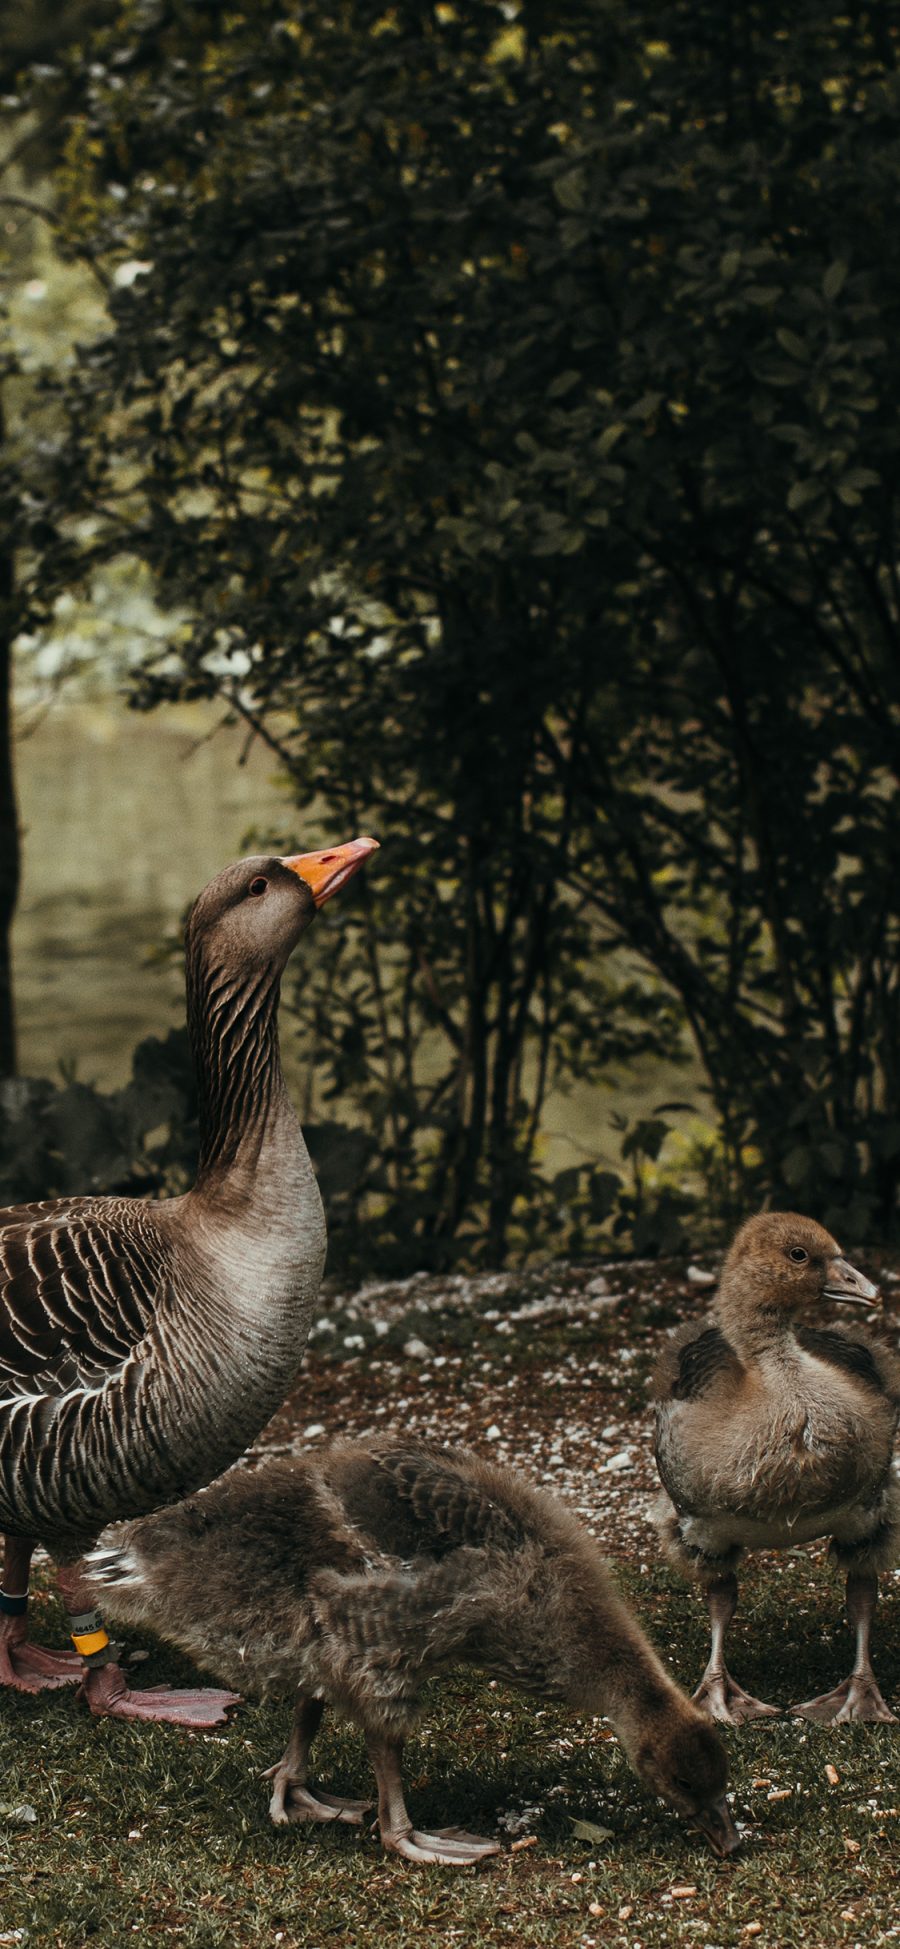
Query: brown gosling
[(769, 1433), (347, 1578)]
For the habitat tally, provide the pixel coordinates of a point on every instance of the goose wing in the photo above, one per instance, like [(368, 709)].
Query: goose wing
[(697, 1362), (79, 1283), (412, 1500), (381, 1631), (692, 1361), (451, 1508), (855, 1353)]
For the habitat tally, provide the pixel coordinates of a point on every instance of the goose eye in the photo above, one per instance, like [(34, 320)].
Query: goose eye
[(798, 1255), (258, 885)]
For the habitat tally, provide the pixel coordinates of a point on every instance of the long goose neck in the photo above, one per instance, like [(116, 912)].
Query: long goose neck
[(233, 1027), (615, 1671), (752, 1323)]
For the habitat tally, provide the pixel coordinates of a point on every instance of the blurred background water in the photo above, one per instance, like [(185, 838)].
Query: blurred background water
[(125, 817)]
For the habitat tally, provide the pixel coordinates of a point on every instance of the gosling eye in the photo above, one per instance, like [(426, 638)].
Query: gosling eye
[(259, 886), (798, 1255)]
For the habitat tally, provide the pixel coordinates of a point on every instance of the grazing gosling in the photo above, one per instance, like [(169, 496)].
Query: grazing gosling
[(352, 1575), (770, 1433)]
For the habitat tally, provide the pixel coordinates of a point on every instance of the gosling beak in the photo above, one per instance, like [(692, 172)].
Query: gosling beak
[(325, 872), (716, 1823), (848, 1285)]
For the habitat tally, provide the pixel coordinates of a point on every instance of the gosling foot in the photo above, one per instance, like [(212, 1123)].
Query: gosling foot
[(857, 1698), (720, 1698), (291, 1801), (26, 1667), (106, 1693), (449, 1846)]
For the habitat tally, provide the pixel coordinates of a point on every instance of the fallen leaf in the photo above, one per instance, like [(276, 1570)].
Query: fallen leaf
[(832, 1774), (626, 1913), (681, 1894), (585, 1830), (527, 1840)]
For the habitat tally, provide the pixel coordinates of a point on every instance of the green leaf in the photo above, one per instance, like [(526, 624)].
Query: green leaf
[(802, 492), (797, 1166), (563, 383), (789, 342), (834, 280), (569, 189)]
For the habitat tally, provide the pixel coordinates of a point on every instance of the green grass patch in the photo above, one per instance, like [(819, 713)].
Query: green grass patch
[(150, 1835)]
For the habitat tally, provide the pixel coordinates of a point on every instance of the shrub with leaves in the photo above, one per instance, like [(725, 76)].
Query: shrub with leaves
[(511, 404)]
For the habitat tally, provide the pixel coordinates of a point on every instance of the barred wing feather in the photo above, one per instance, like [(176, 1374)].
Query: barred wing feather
[(79, 1284)]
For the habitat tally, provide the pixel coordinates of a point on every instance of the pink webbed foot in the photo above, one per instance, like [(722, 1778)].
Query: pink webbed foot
[(108, 1696), (26, 1667), (298, 1802), (723, 1700), (449, 1847), (857, 1698)]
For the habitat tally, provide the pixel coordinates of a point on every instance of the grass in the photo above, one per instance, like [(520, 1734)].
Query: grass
[(151, 1835)]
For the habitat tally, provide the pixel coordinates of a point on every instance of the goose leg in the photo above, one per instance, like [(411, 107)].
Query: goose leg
[(104, 1687), (717, 1694), (26, 1667), (448, 1845), (858, 1697), (293, 1798)]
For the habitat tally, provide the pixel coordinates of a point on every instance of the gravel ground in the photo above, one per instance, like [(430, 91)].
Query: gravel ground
[(547, 1370)]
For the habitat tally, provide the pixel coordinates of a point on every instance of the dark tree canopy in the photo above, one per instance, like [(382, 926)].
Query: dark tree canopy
[(512, 404)]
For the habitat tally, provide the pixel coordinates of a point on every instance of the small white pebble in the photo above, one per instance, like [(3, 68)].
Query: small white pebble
[(492, 1433), (696, 1276), (416, 1350), (314, 1429)]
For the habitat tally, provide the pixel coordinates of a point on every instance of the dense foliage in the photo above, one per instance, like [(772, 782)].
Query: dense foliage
[(509, 400)]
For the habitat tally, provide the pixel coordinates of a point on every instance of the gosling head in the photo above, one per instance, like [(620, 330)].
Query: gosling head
[(253, 914), (779, 1265), (684, 1761)]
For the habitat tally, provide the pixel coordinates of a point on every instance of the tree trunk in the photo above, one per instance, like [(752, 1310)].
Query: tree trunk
[(9, 825)]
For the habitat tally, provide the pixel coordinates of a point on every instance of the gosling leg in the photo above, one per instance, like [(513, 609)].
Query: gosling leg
[(448, 1845), (293, 1798), (858, 1697), (26, 1667), (717, 1694)]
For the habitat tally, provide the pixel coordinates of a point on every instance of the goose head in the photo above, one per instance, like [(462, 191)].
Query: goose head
[(683, 1759), (253, 913), (779, 1266)]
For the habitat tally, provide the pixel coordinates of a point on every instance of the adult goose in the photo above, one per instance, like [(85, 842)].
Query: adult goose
[(770, 1432), (349, 1577), (142, 1345)]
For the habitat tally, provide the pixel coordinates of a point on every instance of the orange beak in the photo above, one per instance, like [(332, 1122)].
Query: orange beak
[(325, 872)]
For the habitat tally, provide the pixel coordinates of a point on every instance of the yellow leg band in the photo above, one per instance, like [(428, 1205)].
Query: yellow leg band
[(86, 1642)]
